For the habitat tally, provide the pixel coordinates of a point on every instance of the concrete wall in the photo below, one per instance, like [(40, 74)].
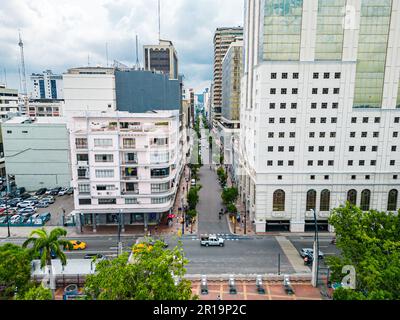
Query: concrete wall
[(38, 158)]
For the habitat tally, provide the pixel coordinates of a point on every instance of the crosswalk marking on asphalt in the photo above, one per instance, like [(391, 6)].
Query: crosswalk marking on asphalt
[(292, 255)]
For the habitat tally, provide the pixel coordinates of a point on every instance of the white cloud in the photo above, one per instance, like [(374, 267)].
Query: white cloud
[(60, 34)]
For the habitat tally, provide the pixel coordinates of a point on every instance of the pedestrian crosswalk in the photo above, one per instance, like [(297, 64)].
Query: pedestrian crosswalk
[(225, 236)]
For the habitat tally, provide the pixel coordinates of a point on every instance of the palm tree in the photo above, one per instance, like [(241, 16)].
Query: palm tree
[(44, 245)]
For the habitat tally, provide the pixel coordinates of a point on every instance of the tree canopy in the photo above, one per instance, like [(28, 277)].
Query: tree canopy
[(369, 241), (149, 277), (15, 270), (36, 293)]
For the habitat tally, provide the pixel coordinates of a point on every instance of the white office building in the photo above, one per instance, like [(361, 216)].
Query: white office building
[(8, 101), (47, 86), (125, 164), (320, 110)]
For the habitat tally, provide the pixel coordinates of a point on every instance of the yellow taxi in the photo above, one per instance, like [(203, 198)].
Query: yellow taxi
[(77, 245)]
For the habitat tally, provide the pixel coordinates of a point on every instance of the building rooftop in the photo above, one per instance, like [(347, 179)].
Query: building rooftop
[(37, 120), (124, 114)]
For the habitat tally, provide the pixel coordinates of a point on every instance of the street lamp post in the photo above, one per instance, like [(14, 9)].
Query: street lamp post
[(8, 217), (119, 233), (315, 265)]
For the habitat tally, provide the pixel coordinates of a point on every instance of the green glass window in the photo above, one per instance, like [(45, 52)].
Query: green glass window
[(282, 29), (329, 42), (372, 49)]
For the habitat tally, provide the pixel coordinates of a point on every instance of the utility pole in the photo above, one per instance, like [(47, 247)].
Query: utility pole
[(315, 265), (8, 217), (119, 233)]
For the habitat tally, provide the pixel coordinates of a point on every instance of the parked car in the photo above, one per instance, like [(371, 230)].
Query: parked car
[(20, 190), (70, 191), (48, 199), (55, 191), (42, 204), (16, 219), (97, 256), (33, 199), (4, 219), (41, 191), (63, 192), (45, 216), (193, 182), (26, 203), (14, 202), (307, 251), (27, 210)]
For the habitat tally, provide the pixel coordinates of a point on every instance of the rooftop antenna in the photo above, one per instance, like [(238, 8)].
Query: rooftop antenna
[(5, 77), (107, 52), (25, 92), (137, 66), (88, 60), (159, 20)]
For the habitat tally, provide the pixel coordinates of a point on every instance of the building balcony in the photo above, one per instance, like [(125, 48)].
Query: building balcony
[(82, 163), (124, 177), (130, 193), (81, 146), (86, 177)]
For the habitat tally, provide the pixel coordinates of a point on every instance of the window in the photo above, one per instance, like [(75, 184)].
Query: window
[(269, 163), (395, 134), (284, 75), (321, 148), (9, 131), (397, 120), (335, 105), (330, 163), (273, 75), (394, 148), (159, 187), (395, 177), (279, 200), (376, 134), (315, 75), (352, 134), (350, 163), (279, 177), (82, 157), (351, 148), (333, 134), (333, 120), (311, 134), (320, 163), (310, 163), (363, 148), (353, 177), (280, 163), (392, 162), (107, 201), (24, 131), (131, 201), (281, 149), (310, 149), (129, 143), (159, 141), (361, 163), (336, 90), (312, 177), (377, 120), (352, 197), (323, 120), (292, 120), (290, 163), (84, 188), (365, 200), (325, 200), (295, 91), (326, 177), (315, 91), (104, 158), (364, 134), (160, 200), (293, 105), (292, 134), (283, 91), (270, 149), (81, 143), (131, 158), (282, 120), (104, 173), (272, 91), (354, 120), (313, 105), (105, 187), (291, 149), (271, 120), (374, 148), (281, 134), (85, 201), (283, 105), (337, 75), (367, 177), (295, 75), (272, 105), (325, 91), (332, 149), (324, 105), (155, 173), (311, 200), (312, 120), (103, 142), (392, 200), (365, 120), (270, 134), (373, 162), (326, 75)]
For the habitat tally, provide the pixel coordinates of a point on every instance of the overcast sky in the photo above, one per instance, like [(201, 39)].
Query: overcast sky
[(60, 34)]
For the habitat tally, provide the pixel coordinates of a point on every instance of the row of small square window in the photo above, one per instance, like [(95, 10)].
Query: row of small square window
[(293, 105), (282, 120), (323, 120), (331, 134), (324, 105), (373, 148), (295, 75), (280, 163), (366, 120), (361, 163), (296, 91)]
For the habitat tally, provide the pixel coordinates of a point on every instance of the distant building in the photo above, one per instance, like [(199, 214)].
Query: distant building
[(141, 91), (45, 108), (8, 101), (37, 152), (89, 89), (125, 163), (47, 86), (162, 57), (223, 37)]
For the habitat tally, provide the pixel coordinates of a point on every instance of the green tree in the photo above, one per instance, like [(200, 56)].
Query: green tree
[(44, 245), (193, 198), (149, 276), (36, 293), (15, 270), (369, 241), (231, 208), (222, 176), (229, 195)]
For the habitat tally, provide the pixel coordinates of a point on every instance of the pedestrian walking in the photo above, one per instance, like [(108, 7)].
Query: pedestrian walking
[(219, 297)]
